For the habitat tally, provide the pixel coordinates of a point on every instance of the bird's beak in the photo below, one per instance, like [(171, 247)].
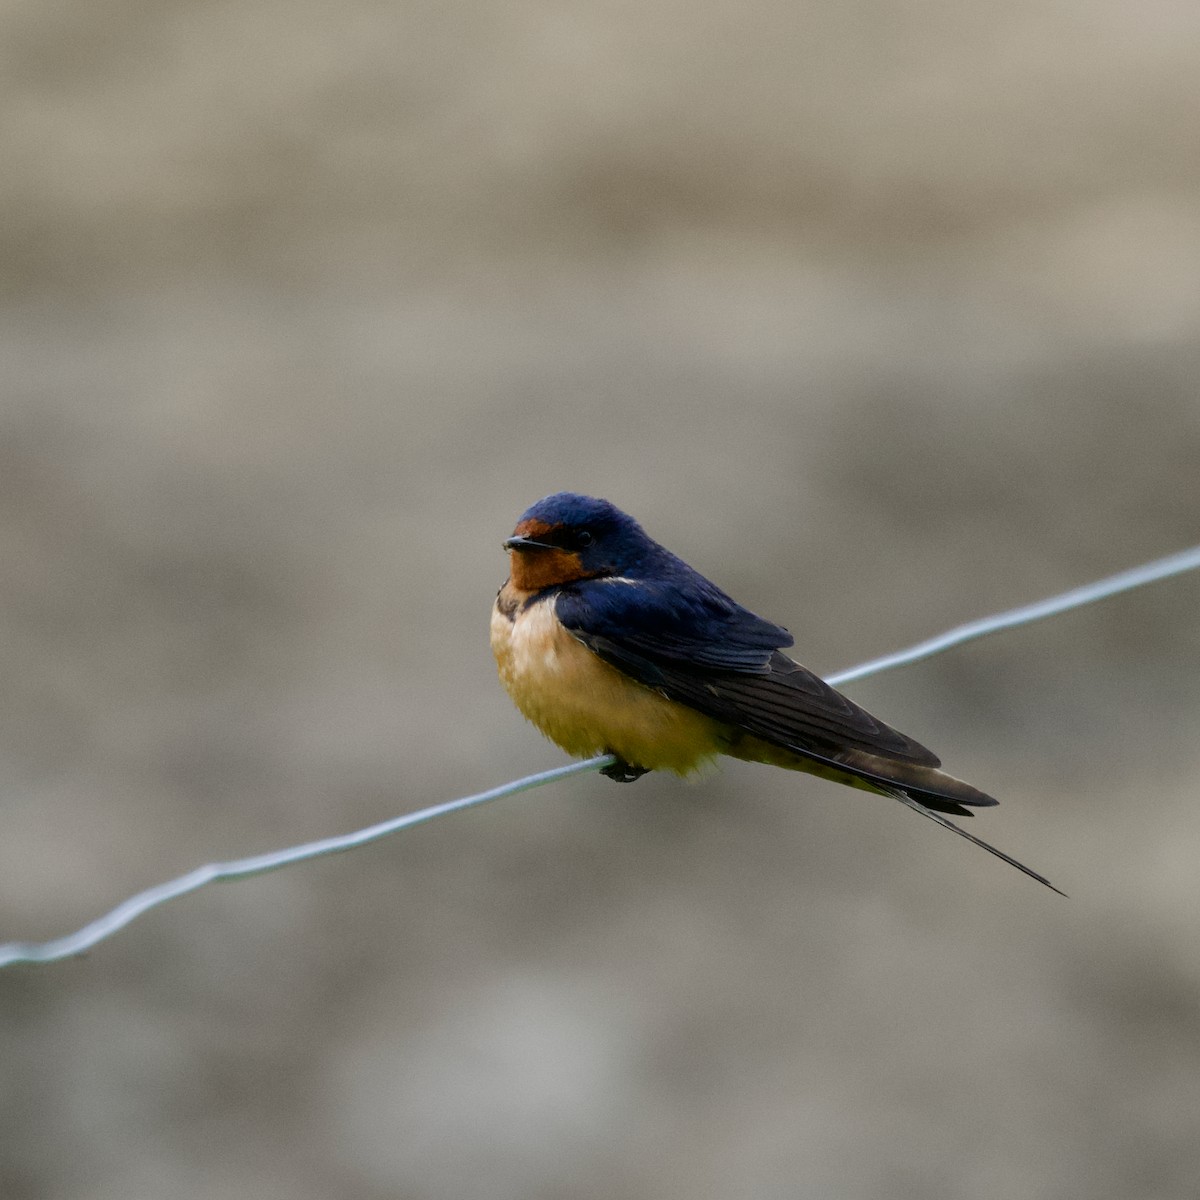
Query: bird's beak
[(524, 543)]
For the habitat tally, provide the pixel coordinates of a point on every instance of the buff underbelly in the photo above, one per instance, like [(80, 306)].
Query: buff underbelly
[(587, 707)]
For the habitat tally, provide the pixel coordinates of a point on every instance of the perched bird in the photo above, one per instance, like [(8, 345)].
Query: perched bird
[(610, 644)]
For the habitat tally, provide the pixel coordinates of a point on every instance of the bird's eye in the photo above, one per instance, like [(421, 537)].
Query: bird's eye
[(584, 538)]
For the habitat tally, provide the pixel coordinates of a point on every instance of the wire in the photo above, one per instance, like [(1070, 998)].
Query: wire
[(261, 864), (243, 868), (1162, 568)]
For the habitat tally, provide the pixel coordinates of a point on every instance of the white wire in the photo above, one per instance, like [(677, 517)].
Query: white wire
[(1162, 568), (125, 912), (260, 864)]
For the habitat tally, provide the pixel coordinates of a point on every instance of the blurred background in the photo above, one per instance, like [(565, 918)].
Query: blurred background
[(884, 316)]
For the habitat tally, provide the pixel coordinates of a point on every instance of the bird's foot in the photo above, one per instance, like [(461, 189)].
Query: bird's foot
[(624, 772)]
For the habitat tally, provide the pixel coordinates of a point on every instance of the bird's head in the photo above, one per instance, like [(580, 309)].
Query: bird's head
[(567, 537)]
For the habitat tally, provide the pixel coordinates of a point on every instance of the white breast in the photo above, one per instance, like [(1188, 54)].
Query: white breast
[(587, 707)]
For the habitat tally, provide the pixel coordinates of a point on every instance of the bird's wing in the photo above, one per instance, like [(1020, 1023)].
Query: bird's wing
[(685, 620), (723, 661), (720, 667)]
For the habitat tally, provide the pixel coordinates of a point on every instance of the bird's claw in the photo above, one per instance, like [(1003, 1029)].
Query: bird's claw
[(624, 772)]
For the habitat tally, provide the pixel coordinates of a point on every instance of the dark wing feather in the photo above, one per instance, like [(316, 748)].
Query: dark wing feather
[(748, 684), (679, 619), (793, 707), (786, 705)]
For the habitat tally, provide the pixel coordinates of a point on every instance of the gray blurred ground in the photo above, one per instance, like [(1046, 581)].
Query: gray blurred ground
[(885, 316)]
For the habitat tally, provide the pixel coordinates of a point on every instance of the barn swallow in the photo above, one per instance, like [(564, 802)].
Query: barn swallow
[(610, 644)]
